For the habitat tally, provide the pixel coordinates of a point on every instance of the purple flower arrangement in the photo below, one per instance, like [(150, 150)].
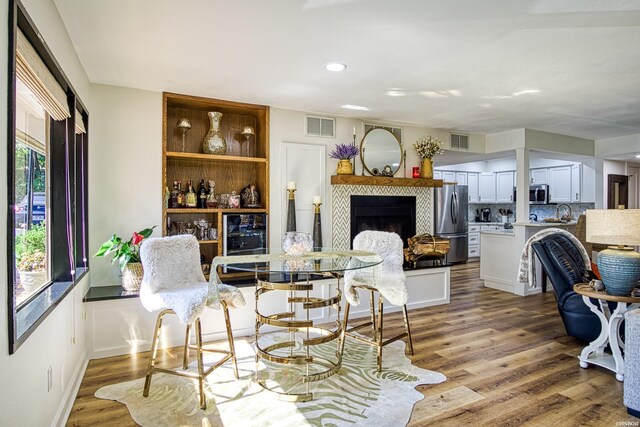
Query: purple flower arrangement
[(344, 152)]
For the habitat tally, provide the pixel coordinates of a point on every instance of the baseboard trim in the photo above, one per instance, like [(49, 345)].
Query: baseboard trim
[(64, 410)]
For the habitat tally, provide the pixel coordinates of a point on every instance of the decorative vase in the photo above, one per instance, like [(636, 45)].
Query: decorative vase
[(214, 142), (345, 167), (132, 276), (620, 270), (32, 280), (296, 243), (426, 169)]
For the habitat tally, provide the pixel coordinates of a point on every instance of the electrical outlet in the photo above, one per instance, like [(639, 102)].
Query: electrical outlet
[(49, 378)]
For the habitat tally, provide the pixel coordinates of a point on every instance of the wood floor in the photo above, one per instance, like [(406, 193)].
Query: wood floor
[(507, 360)]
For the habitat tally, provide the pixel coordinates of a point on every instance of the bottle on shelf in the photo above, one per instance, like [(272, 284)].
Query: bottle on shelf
[(181, 196), (173, 199), (202, 195), (191, 201)]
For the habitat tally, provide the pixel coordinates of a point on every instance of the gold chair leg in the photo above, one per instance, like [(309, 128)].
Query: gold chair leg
[(380, 306), (185, 356), (405, 314), (232, 348), (152, 356), (343, 336), (203, 400), (373, 315)]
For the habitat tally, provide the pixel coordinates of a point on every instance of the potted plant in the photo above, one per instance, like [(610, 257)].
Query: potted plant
[(344, 153), (127, 253), (31, 257), (427, 147)]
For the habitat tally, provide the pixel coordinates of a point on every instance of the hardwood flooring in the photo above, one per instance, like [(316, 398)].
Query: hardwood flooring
[(507, 360)]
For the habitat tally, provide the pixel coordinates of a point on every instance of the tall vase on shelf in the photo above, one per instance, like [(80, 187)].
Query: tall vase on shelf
[(426, 168), (214, 142)]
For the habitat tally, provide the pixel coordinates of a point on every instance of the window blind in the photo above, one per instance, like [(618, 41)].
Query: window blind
[(79, 123), (33, 72)]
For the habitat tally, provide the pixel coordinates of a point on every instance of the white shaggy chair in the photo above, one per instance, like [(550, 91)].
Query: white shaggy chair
[(173, 283), (387, 278)]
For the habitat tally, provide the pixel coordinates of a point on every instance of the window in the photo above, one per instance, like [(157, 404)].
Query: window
[(47, 191)]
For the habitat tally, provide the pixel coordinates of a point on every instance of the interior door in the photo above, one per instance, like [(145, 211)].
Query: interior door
[(618, 191)]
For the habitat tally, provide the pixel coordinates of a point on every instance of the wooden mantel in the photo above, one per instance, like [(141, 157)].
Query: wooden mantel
[(384, 181)]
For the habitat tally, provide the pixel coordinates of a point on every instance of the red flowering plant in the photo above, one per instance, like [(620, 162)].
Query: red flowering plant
[(124, 252)]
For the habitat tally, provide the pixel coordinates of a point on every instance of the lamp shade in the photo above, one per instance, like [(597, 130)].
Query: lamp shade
[(613, 226), (619, 266)]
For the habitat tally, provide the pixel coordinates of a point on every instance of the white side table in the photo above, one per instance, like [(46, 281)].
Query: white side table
[(594, 353)]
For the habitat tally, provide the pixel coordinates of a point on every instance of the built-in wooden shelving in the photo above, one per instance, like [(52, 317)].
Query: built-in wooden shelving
[(384, 181)]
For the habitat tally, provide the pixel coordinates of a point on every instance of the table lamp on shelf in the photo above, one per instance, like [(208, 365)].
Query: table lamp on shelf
[(619, 264)]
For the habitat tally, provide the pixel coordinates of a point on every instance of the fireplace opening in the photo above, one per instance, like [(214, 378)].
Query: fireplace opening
[(384, 213)]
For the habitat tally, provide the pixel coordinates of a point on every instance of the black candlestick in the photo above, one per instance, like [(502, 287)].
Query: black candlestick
[(291, 211), (317, 227)]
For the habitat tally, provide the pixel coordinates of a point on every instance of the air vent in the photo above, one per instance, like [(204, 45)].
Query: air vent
[(396, 131), (320, 126), (459, 142)]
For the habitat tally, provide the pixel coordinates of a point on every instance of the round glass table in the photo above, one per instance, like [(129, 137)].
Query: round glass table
[(295, 351)]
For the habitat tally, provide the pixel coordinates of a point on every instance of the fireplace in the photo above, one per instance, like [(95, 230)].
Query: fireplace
[(384, 213)]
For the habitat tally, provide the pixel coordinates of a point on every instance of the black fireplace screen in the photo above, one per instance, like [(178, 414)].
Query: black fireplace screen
[(384, 213)]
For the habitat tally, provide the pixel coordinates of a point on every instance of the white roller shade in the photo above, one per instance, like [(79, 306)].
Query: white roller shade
[(33, 72), (79, 123)]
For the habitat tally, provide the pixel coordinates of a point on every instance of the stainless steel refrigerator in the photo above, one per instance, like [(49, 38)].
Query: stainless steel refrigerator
[(451, 220)]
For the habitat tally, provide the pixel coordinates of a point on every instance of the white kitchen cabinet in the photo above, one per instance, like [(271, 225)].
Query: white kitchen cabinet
[(576, 191), (504, 187), (472, 184), (473, 245), (487, 187), (448, 176), (437, 174), (461, 177), (560, 184), (538, 176)]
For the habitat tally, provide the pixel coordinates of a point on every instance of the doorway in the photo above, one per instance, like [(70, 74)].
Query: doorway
[(618, 191)]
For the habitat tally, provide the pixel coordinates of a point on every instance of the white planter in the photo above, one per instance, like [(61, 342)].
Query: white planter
[(32, 280)]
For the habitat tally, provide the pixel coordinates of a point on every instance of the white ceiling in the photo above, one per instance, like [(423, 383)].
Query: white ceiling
[(564, 66)]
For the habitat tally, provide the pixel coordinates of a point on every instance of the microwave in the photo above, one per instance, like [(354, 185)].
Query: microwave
[(539, 194)]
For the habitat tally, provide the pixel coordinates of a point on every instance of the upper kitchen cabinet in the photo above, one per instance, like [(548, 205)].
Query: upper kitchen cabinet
[(487, 187), (472, 184), (448, 176), (539, 176), (461, 178), (560, 184), (504, 187), (437, 174)]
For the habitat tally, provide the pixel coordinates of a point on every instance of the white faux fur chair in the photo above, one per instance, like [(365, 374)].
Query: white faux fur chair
[(387, 278), (173, 283)]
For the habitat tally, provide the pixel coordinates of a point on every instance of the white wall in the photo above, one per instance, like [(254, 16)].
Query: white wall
[(606, 148), (59, 341), (125, 170), (553, 142)]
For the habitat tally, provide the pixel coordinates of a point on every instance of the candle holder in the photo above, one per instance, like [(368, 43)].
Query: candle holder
[(317, 228), (291, 210), (184, 125), (247, 132), (354, 144)]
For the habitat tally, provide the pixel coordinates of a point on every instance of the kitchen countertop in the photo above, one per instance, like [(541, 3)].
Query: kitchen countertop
[(545, 224), (484, 223)]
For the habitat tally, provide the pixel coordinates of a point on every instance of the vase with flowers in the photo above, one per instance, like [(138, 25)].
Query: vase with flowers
[(344, 153), (428, 147), (127, 254)]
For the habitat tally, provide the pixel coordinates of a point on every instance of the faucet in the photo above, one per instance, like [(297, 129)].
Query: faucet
[(568, 217), (533, 217)]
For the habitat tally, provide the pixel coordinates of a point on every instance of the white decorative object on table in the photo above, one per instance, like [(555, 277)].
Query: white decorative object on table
[(296, 243)]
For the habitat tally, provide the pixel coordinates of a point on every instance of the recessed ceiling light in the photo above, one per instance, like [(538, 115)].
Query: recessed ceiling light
[(396, 92), (637, 156), (335, 66), (355, 107)]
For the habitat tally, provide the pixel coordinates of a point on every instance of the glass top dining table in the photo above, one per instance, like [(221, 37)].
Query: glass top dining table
[(275, 260)]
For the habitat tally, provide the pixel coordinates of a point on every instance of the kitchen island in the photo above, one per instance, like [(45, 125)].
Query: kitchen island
[(500, 252)]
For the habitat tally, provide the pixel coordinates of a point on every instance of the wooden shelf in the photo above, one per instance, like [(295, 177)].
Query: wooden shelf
[(384, 181), (213, 157), (214, 210), (207, 242)]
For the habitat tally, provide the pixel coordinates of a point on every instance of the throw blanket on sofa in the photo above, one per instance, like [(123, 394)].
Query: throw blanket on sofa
[(527, 270)]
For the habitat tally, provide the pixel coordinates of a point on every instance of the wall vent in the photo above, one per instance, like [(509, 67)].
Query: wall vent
[(320, 126), (459, 141), (396, 131)]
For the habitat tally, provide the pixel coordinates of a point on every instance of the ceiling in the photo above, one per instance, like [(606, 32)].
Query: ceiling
[(569, 67)]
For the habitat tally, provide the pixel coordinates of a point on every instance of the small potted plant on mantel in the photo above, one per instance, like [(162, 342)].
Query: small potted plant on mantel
[(427, 147), (128, 256), (31, 257), (344, 153)]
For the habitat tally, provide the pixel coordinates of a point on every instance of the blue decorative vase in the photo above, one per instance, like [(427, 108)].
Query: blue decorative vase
[(620, 270)]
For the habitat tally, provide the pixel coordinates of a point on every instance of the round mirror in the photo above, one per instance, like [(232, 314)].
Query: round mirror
[(381, 152)]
